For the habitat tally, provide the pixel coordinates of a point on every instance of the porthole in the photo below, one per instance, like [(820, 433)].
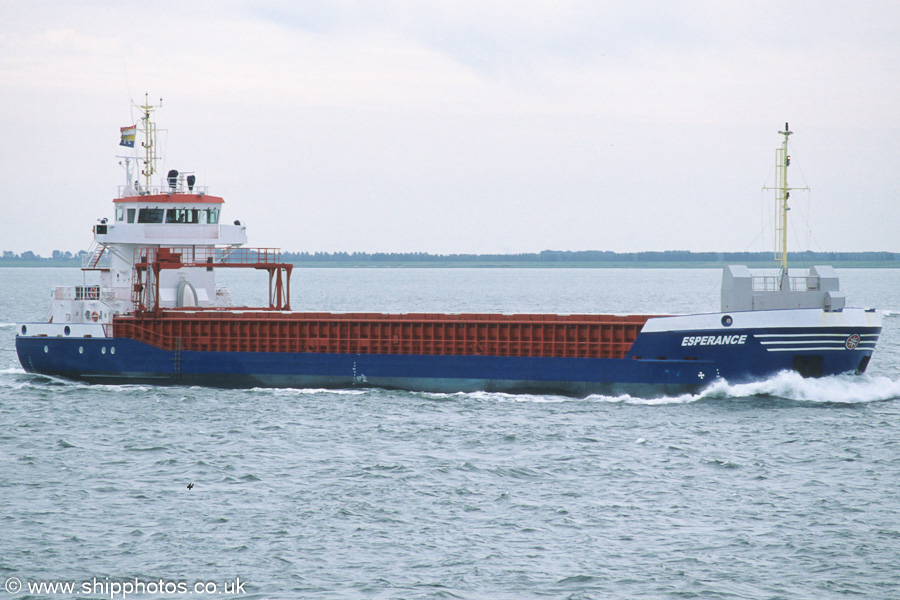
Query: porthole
[(24, 329), (67, 330), (112, 350), (103, 350), (80, 349), (727, 320), (46, 350)]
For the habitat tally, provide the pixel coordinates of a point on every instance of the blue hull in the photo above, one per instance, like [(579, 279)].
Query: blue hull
[(659, 363)]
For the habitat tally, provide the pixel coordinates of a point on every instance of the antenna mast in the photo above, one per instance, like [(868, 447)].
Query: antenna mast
[(149, 143)]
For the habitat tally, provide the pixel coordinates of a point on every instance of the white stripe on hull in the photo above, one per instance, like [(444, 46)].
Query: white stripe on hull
[(798, 318)]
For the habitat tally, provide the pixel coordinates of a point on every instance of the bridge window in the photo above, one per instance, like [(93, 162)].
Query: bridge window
[(182, 215), (209, 215), (131, 212), (120, 213), (150, 215)]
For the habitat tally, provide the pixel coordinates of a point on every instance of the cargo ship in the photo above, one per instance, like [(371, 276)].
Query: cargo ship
[(155, 315)]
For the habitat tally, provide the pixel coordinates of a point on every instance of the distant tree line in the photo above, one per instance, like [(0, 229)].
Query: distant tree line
[(547, 257), (57, 257), (592, 256)]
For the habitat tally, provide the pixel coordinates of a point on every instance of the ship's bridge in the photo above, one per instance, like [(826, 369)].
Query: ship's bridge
[(176, 218)]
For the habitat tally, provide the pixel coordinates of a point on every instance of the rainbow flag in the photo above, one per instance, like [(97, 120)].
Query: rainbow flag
[(128, 134)]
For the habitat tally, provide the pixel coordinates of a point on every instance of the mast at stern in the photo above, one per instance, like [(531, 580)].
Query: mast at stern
[(148, 127)]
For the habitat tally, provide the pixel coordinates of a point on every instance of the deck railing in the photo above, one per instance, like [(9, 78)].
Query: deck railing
[(180, 188), (206, 255), (772, 283)]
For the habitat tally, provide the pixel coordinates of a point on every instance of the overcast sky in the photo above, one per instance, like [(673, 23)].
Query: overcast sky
[(443, 127)]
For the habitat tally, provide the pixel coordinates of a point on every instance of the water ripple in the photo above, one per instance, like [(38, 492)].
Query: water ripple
[(778, 489)]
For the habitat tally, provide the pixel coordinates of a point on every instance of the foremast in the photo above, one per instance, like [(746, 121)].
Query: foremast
[(819, 288), (782, 194)]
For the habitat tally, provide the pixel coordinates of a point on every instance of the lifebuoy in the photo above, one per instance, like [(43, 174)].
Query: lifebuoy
[(94, 316)]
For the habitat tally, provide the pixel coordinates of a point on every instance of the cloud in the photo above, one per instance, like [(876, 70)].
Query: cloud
[(459, 126)]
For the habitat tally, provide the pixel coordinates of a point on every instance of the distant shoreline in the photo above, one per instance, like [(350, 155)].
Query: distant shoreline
[(587, 259)]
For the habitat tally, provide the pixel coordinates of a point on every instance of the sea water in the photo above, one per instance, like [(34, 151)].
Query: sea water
[(785, 488)]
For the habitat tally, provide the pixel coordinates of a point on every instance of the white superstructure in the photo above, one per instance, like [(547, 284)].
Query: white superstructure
[(175, 215)]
